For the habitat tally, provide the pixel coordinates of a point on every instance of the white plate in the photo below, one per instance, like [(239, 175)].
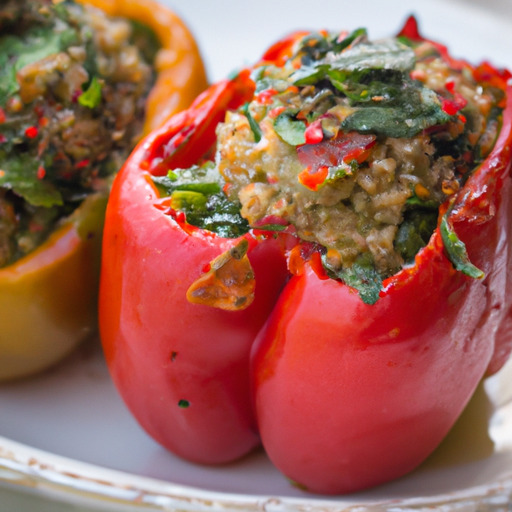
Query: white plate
[(67, 435)]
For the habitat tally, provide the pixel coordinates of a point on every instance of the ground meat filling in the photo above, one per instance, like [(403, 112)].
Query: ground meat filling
[(72, 91), (351, 145), (359, 203)]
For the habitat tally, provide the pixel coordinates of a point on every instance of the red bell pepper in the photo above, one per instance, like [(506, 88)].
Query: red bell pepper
[(343, 394), (183, 378)]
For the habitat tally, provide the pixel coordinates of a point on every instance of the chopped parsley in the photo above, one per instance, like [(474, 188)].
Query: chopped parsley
[(91, 97)]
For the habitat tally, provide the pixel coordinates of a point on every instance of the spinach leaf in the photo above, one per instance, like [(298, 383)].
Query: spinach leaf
[(456, 250), (198, 178), (362, 275), (310, 74), (363, 57), (386, 54), (290, 130), (416, 108), (197, 192), (414, 232), (91, 97), (255, 127), (20, 176), (316, 46), (16, 52)]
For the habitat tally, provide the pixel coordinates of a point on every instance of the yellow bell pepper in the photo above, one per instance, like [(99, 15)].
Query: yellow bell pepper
[(48, 299)]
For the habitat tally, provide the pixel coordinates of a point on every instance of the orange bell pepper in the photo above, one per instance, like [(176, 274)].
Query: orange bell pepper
[(48, 298)]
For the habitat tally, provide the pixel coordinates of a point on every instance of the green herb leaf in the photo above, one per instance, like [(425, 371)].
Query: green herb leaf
[(362, 275), (316, 46), (91, 97), (414, 232), (255, 127), (270, 227), (197, 192), (16, 53), (416, 109), (310, 75), (20, 175), (339, 46), (188, 202), (337, 172), (456, 250), (290, 129), (389, 55), (386, 54)]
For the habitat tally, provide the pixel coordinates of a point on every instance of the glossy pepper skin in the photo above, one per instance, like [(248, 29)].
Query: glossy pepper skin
[(48, 299), (181, 368), (345, 395)]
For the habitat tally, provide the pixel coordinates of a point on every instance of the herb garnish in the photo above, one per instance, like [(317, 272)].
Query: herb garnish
[(374, 77), (456, 250), (361, 275), (291, 130), (91, 97), (197, 192)]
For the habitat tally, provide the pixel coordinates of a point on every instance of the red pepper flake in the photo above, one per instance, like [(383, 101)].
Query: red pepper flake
[(31, 132), (2, 173), (3, 138), (462, 118), (313, 179), (314, 133), (226, 188), (43, 121), (83, 163), (41, 172), (265, 97), (275, 112), (450, 86), (2, 115), (451, 107)]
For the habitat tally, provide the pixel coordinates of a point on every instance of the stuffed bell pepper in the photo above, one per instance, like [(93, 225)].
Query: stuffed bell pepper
[(79, 84), (315, 256)]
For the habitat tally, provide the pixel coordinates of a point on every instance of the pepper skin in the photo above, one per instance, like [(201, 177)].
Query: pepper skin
[(160, 348), (382, 385), (48, 299), (346, 395)]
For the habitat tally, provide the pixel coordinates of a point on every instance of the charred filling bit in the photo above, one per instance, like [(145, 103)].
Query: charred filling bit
[(73, 84), (353, 145)]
